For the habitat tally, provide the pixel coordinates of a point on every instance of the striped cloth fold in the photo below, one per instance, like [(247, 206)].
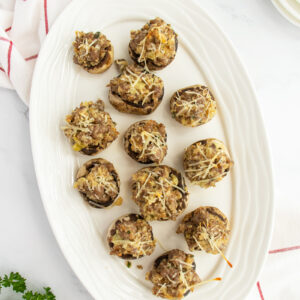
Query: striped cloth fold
[(23, 27)]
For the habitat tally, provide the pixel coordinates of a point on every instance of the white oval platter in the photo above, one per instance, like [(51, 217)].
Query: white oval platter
[(245, 196)]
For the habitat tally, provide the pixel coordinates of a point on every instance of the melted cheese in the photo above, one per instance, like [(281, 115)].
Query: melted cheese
[(204, 166), (140, 84), (193, 105), (155, 50), (159, 290), (138, 245), (144, 184), (95, 180), (86, 46), (148, 138)]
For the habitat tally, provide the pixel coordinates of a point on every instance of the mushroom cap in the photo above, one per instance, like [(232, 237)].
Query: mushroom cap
[(85, 169), (213, 158), (104, 63), (157, 211), (127, 144), (150, 64), (128, 217), (132, 108), (167, 268), (204, 116), (204, 222)]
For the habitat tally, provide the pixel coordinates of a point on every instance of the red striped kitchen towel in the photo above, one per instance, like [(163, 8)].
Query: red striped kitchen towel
[(23, 26)]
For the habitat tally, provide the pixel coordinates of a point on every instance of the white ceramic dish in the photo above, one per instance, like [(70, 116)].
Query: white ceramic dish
[(289, 9), (245, 196)]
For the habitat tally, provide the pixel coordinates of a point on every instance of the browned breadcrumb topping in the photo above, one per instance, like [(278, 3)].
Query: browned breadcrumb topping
[(89, 128), (136, 86), (205, 229), (154, 45), (146, 141), (131, 237), (193, 106), (160, 192), (206, 162), (90, 49), (173, 275), (98, 181)]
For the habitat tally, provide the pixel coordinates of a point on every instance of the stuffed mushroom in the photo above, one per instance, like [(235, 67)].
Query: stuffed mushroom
[(193, 106), (98, 182), (206, 229), (173, 275), (146, 142), (131, 237), (93, 51), (89, 128), (154, 46), (206, 162), (160, 192), (135, 90)]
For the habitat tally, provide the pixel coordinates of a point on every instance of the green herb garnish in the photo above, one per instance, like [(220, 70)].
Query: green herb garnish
[(18, 284), (97, 34)]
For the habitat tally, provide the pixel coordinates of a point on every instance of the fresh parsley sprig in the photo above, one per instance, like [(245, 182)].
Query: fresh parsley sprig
[(14, 280), (18, 284)]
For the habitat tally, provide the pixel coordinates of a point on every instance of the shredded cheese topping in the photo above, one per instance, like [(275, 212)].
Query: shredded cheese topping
[(131, 237), (90, 49), (194, 106), (206, 229), (98, 184), (173, 277), (158, 44), (149, 145), (86, 46), (158, 194), (136, 85), (205, 164), (89, 126)]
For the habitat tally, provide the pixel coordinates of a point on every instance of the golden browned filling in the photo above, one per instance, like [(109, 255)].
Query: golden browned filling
[(146, 141), (193, 106), (160, 192), (205, 229), (173, 275), (91, 49), (154, 46), (98, 181), (131, 237), (136, 86), (206, 162), (89, 128)]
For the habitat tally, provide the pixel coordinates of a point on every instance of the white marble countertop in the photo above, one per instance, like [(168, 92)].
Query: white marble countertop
[(269, 47)]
